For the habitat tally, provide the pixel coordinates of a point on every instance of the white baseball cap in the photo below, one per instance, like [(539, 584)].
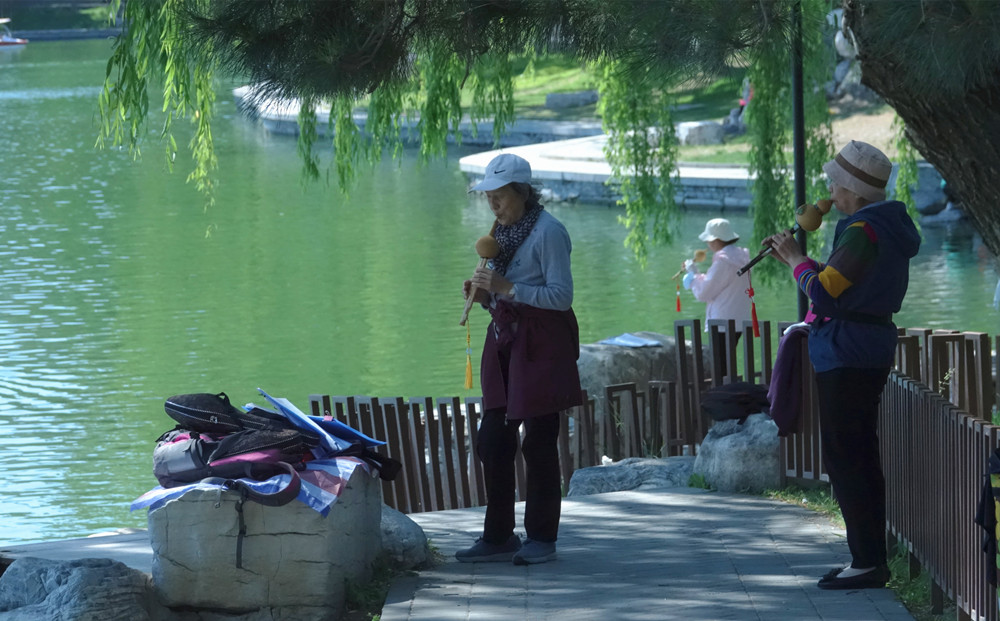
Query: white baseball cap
[(504, 169), (720, 229)]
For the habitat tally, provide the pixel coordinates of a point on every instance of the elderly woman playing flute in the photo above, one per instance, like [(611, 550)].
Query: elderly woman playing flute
[(528, 370)]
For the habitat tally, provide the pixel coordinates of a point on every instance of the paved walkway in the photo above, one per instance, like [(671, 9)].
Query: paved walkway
[(582, 159), (655, 555), (577, 166)]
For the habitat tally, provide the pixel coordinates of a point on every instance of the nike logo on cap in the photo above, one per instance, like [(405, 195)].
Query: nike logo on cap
[(497, 172)]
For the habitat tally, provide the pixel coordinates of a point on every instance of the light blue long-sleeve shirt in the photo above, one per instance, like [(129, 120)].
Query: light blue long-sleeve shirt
[(540, 269)]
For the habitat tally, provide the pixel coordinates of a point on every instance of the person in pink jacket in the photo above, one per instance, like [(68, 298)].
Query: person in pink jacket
[(723, 292)]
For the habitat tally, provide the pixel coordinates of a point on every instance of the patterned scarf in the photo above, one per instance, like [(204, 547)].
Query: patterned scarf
[(510, 237)]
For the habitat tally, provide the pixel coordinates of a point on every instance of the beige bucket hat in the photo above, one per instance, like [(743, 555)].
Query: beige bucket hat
[(862, 169)]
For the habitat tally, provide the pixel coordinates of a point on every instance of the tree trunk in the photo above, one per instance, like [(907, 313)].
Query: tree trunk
[(956, 131)]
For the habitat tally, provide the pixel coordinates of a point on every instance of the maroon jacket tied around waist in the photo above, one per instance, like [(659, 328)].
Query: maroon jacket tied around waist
[(530, 368)]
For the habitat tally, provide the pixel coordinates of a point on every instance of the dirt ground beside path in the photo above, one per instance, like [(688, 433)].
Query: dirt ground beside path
[(871, 125)]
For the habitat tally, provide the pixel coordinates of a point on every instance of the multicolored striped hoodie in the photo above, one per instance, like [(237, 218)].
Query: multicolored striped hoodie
[(861, 285)]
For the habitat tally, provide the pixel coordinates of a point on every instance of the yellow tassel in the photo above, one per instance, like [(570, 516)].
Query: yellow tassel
[(468, 357)]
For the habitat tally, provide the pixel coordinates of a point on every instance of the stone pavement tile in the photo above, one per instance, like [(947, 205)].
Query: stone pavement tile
[(665, 554), (795, 614)]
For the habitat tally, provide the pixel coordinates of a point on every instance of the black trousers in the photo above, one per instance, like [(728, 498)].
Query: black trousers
[(496, 447), (848, 414)]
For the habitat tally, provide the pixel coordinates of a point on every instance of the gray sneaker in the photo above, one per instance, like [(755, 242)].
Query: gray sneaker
[(535, 552), (483, 552)]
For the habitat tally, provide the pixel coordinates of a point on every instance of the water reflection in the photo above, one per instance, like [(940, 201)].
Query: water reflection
[(35, 95)]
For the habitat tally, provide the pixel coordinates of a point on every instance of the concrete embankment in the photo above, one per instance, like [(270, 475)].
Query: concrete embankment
[(67, 34)]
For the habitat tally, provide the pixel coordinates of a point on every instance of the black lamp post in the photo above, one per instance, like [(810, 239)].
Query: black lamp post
[(798, 134)]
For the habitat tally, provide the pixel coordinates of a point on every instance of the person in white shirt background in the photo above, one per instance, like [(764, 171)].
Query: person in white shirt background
[(723, 292)]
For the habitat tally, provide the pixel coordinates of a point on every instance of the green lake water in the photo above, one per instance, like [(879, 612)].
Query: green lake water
[(112, 297)]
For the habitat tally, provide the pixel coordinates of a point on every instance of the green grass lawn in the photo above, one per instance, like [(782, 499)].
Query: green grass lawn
[(695, 100)]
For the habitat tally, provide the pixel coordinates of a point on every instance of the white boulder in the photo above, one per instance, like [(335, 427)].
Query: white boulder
[(737, 457), (631, 473), (293, 559)]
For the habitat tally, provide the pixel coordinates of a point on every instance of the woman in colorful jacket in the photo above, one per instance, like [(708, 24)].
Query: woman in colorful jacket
[(528, 370), (852, 344)]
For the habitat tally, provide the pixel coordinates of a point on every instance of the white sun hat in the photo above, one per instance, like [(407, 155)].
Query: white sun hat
[(718, 228), (504, 169)]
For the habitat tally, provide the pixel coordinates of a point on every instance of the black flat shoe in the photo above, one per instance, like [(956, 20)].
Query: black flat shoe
[(874, 579)]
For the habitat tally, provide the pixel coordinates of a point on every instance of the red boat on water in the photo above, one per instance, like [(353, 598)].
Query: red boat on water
[(7, 40)]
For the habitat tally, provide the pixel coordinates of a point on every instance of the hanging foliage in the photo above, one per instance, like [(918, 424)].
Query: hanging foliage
[(769, 123), (440, 76), (308, 134), (383, 122), (491, 83), (152, 47), (396, 59), (818, 60), (907, 173), (642, 152)]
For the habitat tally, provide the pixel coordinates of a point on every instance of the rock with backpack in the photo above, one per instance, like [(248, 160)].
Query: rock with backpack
[(225, 534), (269, 457)]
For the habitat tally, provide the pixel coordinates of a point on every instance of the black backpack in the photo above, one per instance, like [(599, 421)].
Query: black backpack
[(220, 443), (215, 414), (735, 401), (215, 439)]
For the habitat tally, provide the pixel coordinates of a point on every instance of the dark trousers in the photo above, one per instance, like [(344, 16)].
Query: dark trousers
[(496, 447), (848, 414)]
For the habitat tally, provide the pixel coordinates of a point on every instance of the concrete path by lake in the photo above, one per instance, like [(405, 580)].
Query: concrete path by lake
[(678, 553), (580, 162)]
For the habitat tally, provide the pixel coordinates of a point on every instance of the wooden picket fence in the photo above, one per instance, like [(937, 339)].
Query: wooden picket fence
[(435, 441)]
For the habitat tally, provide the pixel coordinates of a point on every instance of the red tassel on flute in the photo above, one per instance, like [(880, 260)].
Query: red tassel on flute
[(753, 309)]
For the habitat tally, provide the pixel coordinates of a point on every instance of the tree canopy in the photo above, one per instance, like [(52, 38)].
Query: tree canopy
[(937, 63), (932, 60)]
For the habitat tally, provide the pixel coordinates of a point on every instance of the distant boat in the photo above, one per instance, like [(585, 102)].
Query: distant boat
[(7, 40)]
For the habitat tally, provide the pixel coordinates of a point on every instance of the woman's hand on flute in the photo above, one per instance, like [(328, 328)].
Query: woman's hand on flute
[(481, 296), (486, 279), (786, 248)]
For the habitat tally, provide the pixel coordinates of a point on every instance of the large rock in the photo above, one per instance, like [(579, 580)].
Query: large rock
[(295, 562), (737, 457), (33, 588), (733, 124), (602, 365), (631, 473), (700, 133), (571, 100), (403, 541), (928, 195), (92, 588)]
